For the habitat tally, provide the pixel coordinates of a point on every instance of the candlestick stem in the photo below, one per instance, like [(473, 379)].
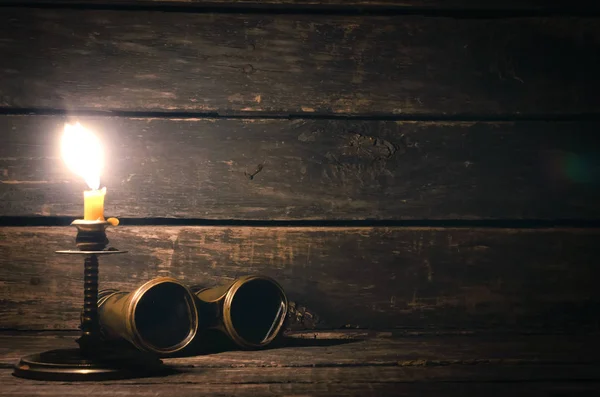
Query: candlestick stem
[(89, 321)]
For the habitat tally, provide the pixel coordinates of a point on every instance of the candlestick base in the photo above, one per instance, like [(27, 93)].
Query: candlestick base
[(72, 365)]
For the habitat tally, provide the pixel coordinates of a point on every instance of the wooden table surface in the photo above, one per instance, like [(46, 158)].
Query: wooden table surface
[(346, 363)]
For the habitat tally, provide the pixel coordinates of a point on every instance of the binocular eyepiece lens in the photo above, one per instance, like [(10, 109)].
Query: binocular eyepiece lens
[(164, 316), (257, 310)]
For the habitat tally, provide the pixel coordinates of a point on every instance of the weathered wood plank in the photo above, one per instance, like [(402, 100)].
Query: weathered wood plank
[(358, 375), (310, 169), (363, 365), (516, 5), (410, 353), (370, 277), (143, 387), (289, 64), (361, 375)]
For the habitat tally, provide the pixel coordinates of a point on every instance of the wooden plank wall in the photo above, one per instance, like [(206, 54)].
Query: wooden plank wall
[(405, 168), (232, 63), (562, 6)]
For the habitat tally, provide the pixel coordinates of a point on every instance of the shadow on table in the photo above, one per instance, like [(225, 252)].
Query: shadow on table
[(214, 341), (308, 342)]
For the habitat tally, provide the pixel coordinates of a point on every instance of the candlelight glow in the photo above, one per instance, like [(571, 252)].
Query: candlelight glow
[(82, 153)]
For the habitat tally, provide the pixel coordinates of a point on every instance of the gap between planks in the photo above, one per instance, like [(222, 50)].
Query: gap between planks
[(463, 9)]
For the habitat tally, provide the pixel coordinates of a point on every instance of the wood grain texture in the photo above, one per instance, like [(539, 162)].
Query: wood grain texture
[(376, 349), (294, 64), (341, 4), (535, 389), (542, 279), (249, 169), (364, 375), (459, 365)]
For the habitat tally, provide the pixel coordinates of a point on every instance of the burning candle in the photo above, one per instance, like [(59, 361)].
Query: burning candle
[(82, 153), (93, 204)]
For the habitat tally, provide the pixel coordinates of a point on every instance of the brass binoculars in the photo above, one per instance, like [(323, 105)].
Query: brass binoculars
[(164, 316)]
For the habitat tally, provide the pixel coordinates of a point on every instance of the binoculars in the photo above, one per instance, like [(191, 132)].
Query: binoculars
[(164, 316)]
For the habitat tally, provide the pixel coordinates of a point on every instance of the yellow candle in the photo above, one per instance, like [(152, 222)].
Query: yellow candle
[(93, 204)]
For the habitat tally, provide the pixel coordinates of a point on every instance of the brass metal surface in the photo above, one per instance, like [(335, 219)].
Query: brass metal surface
[(72, 365), (251, 310), (160, 316), (91, 235)]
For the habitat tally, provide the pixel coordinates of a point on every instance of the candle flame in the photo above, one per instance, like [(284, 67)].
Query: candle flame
[(82, 153)]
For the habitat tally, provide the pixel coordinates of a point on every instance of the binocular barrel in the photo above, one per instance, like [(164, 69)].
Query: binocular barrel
[(163, 315), (251, 310), (159, 317)]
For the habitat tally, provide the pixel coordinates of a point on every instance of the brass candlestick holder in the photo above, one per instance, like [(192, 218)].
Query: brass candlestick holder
[(93, 360)]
